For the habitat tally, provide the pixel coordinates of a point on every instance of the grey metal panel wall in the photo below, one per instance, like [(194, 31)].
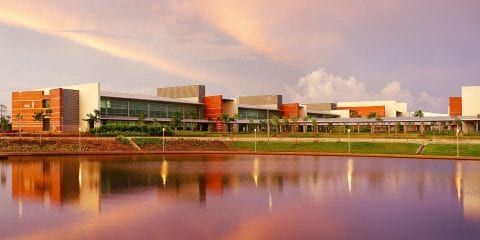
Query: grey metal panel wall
[(321, 106), (191, 91), (260, 100), (70, 109)]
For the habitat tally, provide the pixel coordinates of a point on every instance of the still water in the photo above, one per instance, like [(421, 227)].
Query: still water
[(238, 197)]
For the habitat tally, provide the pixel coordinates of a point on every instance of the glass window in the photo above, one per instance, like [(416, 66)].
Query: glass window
[(46, 103), (138, 108), (158, 110)]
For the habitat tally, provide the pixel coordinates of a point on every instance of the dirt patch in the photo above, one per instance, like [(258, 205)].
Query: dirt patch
[(186, 145), (56, 145)]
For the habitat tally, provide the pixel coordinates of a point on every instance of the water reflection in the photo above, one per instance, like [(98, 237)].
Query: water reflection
[(246, 186)]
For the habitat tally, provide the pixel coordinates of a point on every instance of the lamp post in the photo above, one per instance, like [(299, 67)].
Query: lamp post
[(163, 139), (255, 137), (268, 119), (458, 132), (348, 131)]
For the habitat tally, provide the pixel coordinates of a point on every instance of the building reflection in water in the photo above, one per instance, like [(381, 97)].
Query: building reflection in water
[(57, 182), (83, 180)]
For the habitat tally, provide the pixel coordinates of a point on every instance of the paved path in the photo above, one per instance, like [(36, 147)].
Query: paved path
[(285, 139)]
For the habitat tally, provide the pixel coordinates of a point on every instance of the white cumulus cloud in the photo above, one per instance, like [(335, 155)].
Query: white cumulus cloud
[(321, 86)]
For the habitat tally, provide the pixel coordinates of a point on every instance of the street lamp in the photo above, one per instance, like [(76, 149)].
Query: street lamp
[(255, 137), (268, 119), (348, 131), (163, 139), (458, 132)]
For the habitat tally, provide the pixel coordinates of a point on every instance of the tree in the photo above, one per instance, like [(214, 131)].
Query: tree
[(92, 118), (285, 123), (5, 124), (275, 122), (175, 121), (294, 124), (372, 115), (19, 120), (418, 113), (305, 119), (225, 120), (38, 117), (141, 119), (192, 115), (315, 125)]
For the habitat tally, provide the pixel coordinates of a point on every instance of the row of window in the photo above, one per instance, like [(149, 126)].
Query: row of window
[(255, 114), (117, 107)]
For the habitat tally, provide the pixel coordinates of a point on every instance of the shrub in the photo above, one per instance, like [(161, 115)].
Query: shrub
[(115, 129), (123, 139)]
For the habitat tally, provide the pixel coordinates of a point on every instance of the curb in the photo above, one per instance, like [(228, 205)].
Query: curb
[(13, 154)]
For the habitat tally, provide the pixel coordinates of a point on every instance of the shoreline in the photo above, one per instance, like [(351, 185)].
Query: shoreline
[(6, 155)]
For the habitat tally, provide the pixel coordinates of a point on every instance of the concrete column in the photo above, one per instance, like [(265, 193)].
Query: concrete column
[(422, 128), (404, 127), (235, 127), (476, 126), (388, 127), (358, 128)]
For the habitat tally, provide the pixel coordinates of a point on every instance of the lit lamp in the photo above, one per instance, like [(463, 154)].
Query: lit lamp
[(163, 139), (348, 131), (458, 132), (255, 137)]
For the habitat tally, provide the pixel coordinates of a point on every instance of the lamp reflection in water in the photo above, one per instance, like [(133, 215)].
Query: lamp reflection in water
[(256, 171), (349, 174), (164, 172), (459, 179)]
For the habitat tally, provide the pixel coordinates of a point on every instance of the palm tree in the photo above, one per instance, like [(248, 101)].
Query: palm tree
[(92, 118), (419, 113), (38, 117), (315, 125), (372, 115), (275, 122), (175, 121), (294, 124), (225, 120), (285, 122), (305, 119)]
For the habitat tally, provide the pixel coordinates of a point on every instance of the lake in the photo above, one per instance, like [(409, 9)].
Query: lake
[(238, 197)]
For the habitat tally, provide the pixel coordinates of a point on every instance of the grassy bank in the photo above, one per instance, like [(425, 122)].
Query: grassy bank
[(472, 150), (330, 147)]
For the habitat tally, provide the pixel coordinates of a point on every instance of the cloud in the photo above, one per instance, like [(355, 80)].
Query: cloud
[(321, 86), (152, 39)]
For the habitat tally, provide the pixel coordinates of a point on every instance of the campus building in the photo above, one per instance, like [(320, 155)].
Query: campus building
[(468, 107), (65, 109)]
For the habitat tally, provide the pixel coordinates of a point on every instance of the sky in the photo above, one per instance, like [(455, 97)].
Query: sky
[(420, 52)]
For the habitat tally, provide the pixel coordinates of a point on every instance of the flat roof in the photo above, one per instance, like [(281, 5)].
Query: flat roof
[(145, 97)]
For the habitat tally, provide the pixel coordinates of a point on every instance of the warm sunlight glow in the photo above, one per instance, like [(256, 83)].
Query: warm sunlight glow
[(349, 174), (256, 171), (459, 179), (164, 172)]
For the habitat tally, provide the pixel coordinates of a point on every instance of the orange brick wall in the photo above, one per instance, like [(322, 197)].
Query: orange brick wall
[(455, 104), (290, 110), (213, 107), (364, 111), (29, 102)]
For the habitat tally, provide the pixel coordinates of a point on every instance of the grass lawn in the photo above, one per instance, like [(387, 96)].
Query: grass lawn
[(472, 150), (330, 147)]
